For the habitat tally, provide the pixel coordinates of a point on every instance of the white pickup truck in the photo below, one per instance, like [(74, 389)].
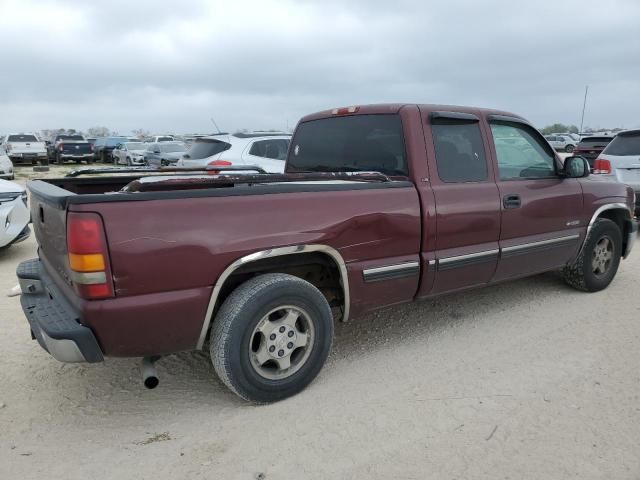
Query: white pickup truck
[(25, 148)]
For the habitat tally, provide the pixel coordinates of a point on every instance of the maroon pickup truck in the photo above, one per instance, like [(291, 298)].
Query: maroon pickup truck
[(379, 205)]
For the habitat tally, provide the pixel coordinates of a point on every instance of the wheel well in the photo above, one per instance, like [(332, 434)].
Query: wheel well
[(619, 217), (317, 268)]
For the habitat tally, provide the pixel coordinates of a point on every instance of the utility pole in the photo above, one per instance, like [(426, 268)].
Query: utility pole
[(584, 105)]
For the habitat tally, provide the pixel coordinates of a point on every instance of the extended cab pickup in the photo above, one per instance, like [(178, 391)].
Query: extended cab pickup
[(379, 205), (70, 147)]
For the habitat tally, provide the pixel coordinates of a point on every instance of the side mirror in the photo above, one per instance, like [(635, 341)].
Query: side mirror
[(576, 167)]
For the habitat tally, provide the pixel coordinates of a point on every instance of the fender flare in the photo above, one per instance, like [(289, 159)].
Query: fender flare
[(274, 252)]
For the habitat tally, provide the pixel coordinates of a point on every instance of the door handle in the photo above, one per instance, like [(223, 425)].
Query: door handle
[(511, 201)]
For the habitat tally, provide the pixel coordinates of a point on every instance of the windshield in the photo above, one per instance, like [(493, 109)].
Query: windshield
[(206, 147), (165, 139), (22, 138), (135, 146), (624, 145), (70, 137), (352, 143), (172, 147)]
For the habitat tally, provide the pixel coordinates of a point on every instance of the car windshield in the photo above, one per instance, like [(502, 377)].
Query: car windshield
[(206, 147), (135, 145), (22, 138), (624, 145), (70, 137), (351, 143), (172, 147)]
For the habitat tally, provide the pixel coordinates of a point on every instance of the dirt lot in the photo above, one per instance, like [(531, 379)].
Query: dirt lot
[(524, 380)]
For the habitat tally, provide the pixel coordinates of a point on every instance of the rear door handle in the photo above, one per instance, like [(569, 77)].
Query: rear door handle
[(511, 201)]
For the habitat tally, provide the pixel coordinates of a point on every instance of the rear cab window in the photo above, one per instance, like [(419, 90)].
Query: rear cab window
[(354, 143), (624, 144), (22, 138)]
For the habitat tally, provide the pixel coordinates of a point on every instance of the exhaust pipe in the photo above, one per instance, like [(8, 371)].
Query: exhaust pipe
[(149, 372)]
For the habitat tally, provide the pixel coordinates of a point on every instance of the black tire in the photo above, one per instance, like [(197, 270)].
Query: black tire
[(580, 274), (234, 327), (569, 148), (129, 161)]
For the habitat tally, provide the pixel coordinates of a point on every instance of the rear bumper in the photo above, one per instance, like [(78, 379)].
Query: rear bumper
[(53, 322), (79, 156), (27, 157), (632, 235)]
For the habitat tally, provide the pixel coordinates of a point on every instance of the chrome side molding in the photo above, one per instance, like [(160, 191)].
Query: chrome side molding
[(389, 272)]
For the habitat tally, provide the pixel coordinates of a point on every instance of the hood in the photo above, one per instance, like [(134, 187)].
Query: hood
[(10, 187), (137, 152)]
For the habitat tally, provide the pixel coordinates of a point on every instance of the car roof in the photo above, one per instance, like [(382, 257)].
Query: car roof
[(244, 138), (390, 108), (629, 133)]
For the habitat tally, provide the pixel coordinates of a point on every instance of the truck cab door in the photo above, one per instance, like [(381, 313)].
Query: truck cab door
[(467, 204), (541, 219)]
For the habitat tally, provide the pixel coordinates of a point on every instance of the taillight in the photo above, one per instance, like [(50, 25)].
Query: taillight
[(8, 147), (92, 146), (88, 256), (217, 163), (61, 147), (601, 166)]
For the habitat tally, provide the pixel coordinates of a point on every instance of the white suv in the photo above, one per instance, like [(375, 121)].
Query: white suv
[(620, 161), (265, 150), (562, 143)]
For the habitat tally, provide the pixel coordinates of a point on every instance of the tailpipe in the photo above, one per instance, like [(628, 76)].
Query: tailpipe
[(149, 373)]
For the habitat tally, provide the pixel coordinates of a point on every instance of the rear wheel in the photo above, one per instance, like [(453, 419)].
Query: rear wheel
[(569, 148), (271, 337), (599, 259)]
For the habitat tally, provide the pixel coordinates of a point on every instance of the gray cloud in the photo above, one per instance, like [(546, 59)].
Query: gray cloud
[(171, 66)]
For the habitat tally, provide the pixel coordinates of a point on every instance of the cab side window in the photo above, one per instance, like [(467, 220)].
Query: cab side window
[(521, 154), (459, 149)]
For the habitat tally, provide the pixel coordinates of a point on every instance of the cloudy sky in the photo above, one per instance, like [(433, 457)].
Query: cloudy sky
[(170, 66)]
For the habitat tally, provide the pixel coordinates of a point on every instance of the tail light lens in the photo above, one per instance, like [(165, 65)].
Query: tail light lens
[(92, 146), (89, 256), (217, 163), (601, 166), (61, 147)]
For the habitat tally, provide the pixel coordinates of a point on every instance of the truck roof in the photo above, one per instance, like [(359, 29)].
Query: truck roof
[(387, 108)]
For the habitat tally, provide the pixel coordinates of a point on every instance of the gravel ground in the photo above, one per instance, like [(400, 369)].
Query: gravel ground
[(529, 379)]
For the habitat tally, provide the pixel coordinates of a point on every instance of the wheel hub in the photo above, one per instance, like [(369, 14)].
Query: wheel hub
[(281, 341)]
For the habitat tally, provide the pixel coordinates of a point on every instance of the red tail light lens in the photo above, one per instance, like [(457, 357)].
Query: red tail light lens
[(602, 166), (61, 147), (88, 256), (217, 163)]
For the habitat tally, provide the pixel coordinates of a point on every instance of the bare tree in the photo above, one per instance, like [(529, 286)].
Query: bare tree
[(141, 133), (98, 132)]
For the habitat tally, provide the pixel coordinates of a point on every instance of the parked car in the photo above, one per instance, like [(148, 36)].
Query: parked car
[(63, 147), (6, 167), (620, 161), (104, 147), (161, 138), (129, 153), (573, 136), (591, 147), (14, 214), (163, 154), (561, 143), (25, 148), (267, 151), (379, 205)]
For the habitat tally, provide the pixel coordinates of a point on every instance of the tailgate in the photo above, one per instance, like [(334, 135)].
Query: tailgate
[(76, 148), (49, 217), (626, 168)]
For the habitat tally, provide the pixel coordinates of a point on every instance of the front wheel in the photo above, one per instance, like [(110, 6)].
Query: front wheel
[(599, 259), (271, 337), (569, 148)]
